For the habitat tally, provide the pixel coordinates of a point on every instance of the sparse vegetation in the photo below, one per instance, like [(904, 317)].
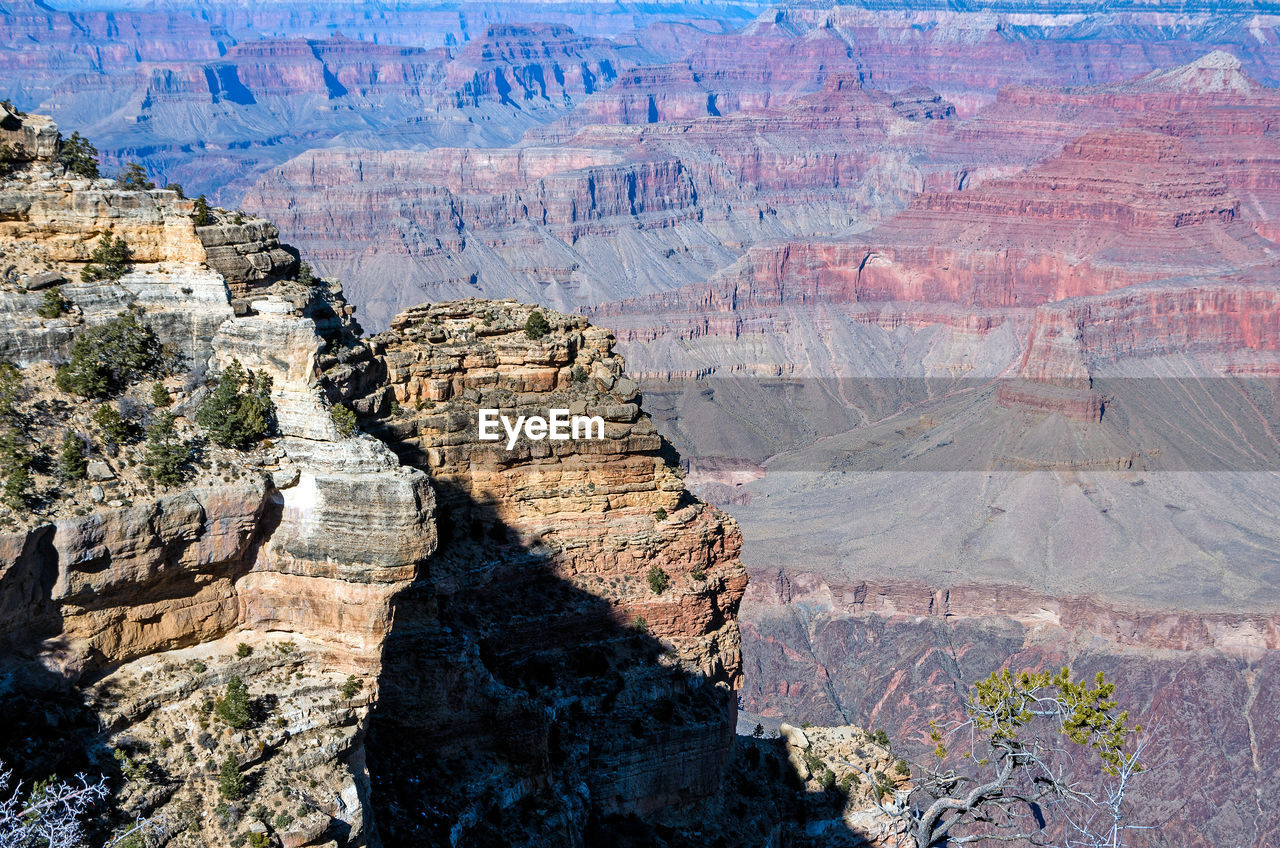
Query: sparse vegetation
[(658, 580), (133, 177), (697, 573), (79, 156), (351, 687), (345, 419), (243, 650), (536, 325), (110, 260), (176, 188), (660, 514), (160, 395), (238, 412), (166, 456), (53, 305)]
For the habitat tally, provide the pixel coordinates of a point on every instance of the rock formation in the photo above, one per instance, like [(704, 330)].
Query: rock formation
[(440, 639)]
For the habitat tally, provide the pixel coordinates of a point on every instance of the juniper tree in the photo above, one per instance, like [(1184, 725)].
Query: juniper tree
[(536, 325), (53, 304), (79, 156), (231, 783), (234, 707), (1021, 753), (110, 260), (107, 358), (203, 215), (166, 455), (238, 412), (72, 464), (134, 178)]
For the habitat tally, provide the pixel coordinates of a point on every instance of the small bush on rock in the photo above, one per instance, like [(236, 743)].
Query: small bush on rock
[(658, 580), (345, 420)]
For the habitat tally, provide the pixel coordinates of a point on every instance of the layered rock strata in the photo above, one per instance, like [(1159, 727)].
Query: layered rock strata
[(563, 614)]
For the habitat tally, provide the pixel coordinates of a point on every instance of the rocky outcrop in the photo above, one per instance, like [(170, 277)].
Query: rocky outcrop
[(563, 613), (579, 525)]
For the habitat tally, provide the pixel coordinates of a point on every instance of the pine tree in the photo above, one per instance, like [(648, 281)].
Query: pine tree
[(53, 305), (110, 260), (72, 464), (203, 216), (230, 779), (166, 455), (107, 358), (134, 178), (536, 325), (160, 395), (233, 708), (79, 156), (238, 412), (15, 464)]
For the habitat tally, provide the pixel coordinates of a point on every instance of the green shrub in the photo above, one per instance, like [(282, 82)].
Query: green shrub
[(640, 624), (880, 738), (233, 707), (238, 412), (536, 326), (579, 374), (72, 464), (134, 178), (304, 274), (345, 420), (53, 305), (697, 573), (160, 395), (166, 456), (79, 156), (10, 391), (203, 215), (660, 514), (176, 188), (902, 768), (19, 488), (259, 840), (115, 430), (231, 783), (658, 580), (110, 260), (282, 820), (199, 667), (243, 650), (827, 780), (351, 687)]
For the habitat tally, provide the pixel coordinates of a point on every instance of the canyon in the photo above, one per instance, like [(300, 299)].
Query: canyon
[(968, 317)]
